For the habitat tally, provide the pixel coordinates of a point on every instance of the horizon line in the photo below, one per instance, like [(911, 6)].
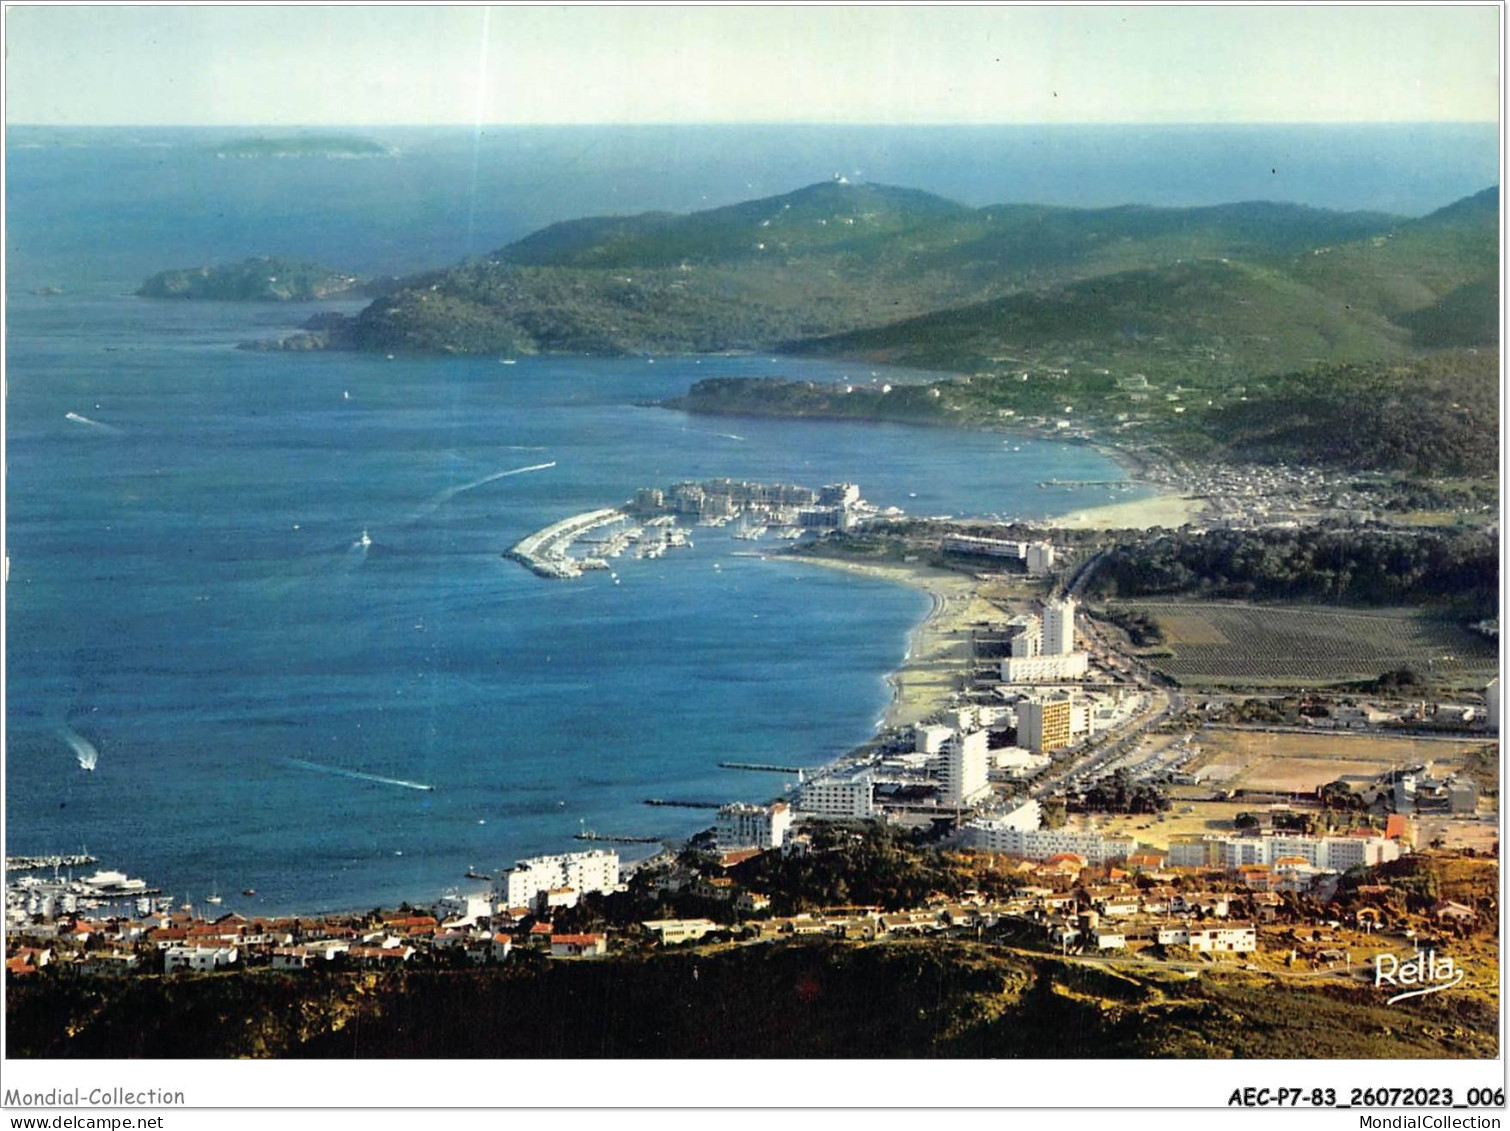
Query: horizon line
[(784, 123)]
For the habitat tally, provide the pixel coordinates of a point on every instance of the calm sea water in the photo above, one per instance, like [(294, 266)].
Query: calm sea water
[(189, 596)]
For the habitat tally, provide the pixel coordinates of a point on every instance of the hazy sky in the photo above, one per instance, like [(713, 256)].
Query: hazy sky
[(372, 65)]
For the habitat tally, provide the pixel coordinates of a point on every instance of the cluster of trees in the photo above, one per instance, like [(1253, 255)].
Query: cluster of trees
[(1407, 494), (1120, 794), (1358, 565), (1141, 628), (872, 866), (1340, 795)]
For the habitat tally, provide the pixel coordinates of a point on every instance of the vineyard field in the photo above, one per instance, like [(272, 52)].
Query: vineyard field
[(1210, 643)]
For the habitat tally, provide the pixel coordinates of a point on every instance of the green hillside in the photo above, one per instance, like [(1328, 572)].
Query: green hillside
[(496, 307), (1254, 329), (1436, 416), (1468, 316), (827, 259), (1414, 266), (1204, 322), (1429, 416), (826, 217)]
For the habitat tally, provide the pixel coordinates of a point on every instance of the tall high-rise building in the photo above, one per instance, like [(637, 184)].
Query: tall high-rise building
[(1043, 723), (964, 766), (1027, 638), (1059, 627)]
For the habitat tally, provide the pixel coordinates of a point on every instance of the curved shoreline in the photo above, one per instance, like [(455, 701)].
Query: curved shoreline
[(922, 683)]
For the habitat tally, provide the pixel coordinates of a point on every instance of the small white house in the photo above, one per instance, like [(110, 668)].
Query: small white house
[(198, 958)]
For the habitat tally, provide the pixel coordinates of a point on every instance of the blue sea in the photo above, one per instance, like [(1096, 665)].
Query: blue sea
[(189, 594)]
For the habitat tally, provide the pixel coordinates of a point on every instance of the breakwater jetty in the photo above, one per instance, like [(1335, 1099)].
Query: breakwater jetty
[(545, 551), (605, 838), (35, 863), (673, 803), (763, 767)]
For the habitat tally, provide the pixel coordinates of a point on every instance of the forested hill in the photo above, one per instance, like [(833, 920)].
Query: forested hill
[(895, 273), (1431, 416)]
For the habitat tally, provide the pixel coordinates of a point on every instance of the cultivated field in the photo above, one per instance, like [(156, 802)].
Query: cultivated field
[(1205, 818), (1253, 759), (1289, 646)]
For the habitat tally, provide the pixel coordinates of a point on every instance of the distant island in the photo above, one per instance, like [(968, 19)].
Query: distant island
[(264, 279), (305, 145)]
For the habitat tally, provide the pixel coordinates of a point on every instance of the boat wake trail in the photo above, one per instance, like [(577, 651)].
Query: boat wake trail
[(450, 493), (84, 420), (358, 775), (720, 435), (83, 749)]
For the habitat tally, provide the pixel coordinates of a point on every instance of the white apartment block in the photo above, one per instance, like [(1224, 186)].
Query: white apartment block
[(1039, 557), (930, 739), (1329, 853), (753, 826), (964, 769), (987, 547), (464, 908), (1043, 648), (851, 797), (1041, 844), (1027, 641), (1059, 627), (584, 872), (1044, 669)]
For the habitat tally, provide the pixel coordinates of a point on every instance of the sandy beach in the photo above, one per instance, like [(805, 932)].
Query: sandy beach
[(938, 650), (1140, 514)]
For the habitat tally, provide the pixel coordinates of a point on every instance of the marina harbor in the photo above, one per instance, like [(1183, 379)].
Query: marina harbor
[(783, 511)]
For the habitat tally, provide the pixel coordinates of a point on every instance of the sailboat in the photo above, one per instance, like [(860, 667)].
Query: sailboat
[(214, 897)]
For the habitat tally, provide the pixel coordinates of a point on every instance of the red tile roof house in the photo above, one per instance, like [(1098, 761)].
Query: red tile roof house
[(380, 955), (578, 946), (27, 960), (164, 937)]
